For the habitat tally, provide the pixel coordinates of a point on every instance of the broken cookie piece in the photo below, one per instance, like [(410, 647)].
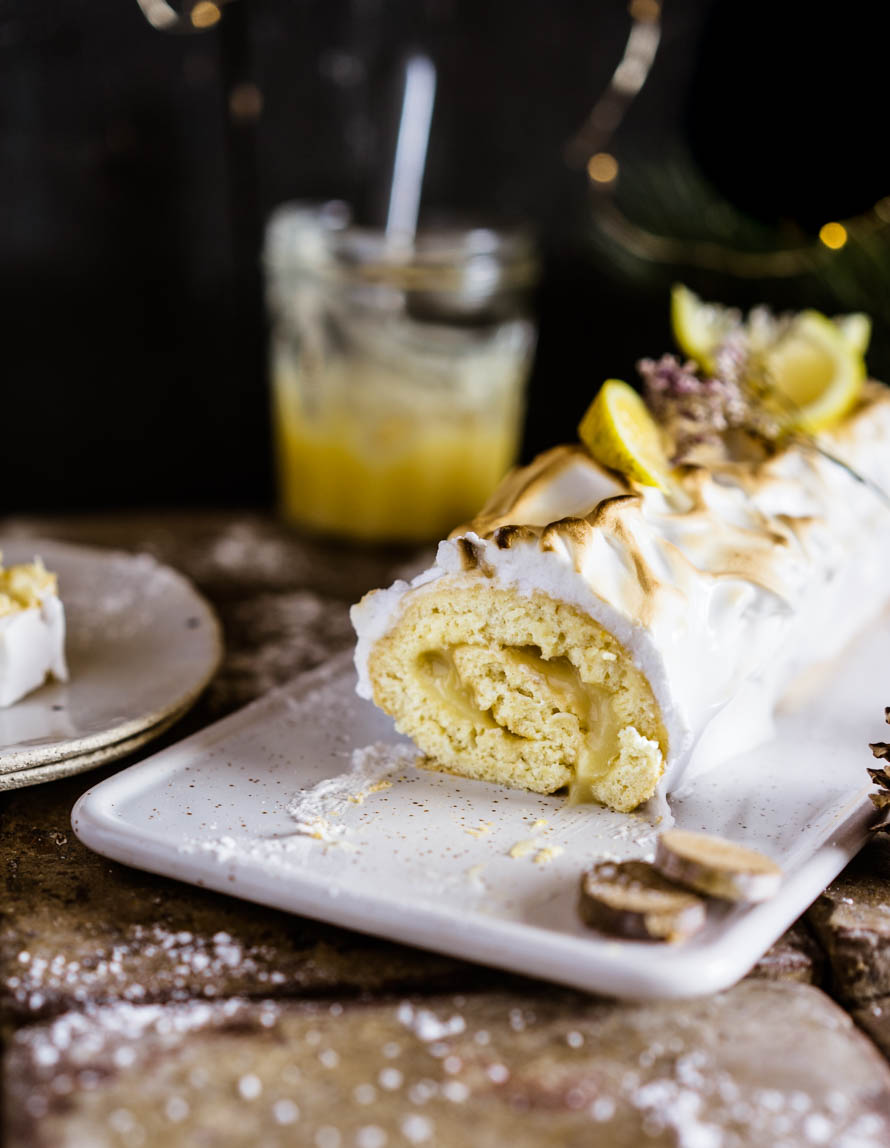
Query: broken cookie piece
[(632, 899), (716, 867)]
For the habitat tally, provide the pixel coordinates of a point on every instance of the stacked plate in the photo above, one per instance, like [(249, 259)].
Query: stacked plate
[(141, 646)]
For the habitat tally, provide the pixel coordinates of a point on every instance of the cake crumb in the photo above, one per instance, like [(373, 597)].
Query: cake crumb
[(548, 854), (320, 829), (522, 848)]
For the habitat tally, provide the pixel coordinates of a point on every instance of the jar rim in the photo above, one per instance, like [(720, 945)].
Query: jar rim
[(320, 238)]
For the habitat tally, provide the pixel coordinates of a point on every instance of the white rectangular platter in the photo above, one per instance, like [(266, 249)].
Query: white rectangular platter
[(473, 870)]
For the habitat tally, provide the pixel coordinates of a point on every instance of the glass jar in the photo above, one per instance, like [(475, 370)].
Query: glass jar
[(397, 371)]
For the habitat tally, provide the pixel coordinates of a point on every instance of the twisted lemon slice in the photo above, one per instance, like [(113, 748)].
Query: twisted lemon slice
[(698, 327), (620, 433), (816, 371)]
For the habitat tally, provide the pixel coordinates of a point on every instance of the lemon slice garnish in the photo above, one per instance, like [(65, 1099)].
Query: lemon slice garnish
[(816, 371), (620, 433), (856, 329), (699, 328)]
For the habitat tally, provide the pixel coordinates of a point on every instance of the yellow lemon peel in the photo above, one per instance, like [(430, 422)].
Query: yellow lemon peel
[(620, 433)]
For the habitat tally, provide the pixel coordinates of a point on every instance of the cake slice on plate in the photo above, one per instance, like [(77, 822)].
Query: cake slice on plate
[(32, 630)]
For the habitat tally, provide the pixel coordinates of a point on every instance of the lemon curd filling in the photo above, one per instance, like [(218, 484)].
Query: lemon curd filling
[(582, 712), (24, 586), (453, 696), (524, 693)]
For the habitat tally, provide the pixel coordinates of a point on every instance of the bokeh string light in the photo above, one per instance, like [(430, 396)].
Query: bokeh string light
[(191, 16), (592, 149)]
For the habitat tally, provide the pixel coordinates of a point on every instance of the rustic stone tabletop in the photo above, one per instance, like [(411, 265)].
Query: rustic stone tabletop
[(138, 1012)]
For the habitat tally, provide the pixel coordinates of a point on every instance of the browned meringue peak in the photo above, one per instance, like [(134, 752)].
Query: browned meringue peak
[(563, 482)]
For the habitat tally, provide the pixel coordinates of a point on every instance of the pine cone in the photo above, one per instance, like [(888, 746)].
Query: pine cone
[(881, 778)]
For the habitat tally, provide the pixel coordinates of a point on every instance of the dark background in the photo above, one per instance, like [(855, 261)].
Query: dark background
[(137, 168)]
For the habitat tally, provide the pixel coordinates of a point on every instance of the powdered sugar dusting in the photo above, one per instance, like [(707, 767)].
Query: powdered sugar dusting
[(273, 852), (177, 964), (426, 1025), (637, 830), (316, 811), (651, 1074), (371, 770), (668, 1105)]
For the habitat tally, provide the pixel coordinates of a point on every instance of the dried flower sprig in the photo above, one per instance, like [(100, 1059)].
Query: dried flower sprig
[(694, 411), (740, 360)]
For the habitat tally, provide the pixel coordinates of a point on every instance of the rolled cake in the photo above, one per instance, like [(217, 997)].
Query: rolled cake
[(585, 631)]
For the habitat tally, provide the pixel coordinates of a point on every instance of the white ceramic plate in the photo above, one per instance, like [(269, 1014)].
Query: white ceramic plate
[(80, 762), (428, 860), (141, 645)]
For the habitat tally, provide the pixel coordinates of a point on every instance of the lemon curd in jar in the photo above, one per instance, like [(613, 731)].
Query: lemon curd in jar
[(364, 460), (397, 383)]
